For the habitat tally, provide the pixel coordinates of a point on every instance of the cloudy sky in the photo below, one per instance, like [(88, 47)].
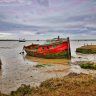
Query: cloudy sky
[(42, 19)]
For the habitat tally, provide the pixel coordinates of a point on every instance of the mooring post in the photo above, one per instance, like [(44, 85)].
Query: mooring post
[(69, 49)]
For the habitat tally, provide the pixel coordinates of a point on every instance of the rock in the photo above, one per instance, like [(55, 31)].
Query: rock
[(79, 57), (21, 52)]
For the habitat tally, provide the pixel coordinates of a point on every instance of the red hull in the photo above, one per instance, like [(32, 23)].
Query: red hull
[(48, 50)]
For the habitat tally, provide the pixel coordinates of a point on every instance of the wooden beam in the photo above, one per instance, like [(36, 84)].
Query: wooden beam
[(69, 49)]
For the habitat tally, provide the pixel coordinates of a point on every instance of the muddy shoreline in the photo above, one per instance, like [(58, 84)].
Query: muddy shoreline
[(71, 85), (17, 69)]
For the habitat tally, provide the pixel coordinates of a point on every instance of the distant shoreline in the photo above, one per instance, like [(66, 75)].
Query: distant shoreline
[(45, 40), (85, 40)]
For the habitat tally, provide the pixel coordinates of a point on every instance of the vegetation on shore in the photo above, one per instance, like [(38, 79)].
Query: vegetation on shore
[(71, 85), (42, 65), (88, 65), (88, 49)]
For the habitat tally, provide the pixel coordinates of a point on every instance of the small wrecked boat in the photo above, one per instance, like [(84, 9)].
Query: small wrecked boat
[(22, 40), (56, 49)]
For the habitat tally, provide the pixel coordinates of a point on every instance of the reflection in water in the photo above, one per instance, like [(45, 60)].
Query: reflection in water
[(47, 61)]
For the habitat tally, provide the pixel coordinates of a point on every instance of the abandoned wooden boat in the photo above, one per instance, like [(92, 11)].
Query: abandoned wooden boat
[(57, 49)]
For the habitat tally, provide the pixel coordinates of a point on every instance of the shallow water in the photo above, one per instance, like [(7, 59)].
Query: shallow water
[(17, 69)]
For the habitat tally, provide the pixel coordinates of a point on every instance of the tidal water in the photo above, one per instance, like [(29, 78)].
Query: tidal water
[(20, 69)]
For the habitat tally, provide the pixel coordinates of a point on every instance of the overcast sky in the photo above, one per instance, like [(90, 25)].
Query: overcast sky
[(42, 19)]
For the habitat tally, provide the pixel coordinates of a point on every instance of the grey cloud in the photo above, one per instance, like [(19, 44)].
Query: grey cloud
[(7, 26), (88, 17), (43, 2), (61, 20)]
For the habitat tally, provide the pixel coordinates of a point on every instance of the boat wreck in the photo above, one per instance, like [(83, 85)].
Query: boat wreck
[(57, 49)]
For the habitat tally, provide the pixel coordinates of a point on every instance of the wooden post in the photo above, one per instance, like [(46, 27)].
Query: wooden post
[(58, 38), (69, 49)]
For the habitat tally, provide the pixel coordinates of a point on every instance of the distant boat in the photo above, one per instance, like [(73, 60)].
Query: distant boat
[(22, 40), (57, 49)]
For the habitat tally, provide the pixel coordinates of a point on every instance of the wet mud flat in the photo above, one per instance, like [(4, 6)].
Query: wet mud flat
[(33, 71), (17, 69)]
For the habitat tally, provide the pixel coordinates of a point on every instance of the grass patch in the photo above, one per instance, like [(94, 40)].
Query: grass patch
[(2, 94), (42, 65), (88, 65), (71, 85), (88, 49), (22, 91)]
